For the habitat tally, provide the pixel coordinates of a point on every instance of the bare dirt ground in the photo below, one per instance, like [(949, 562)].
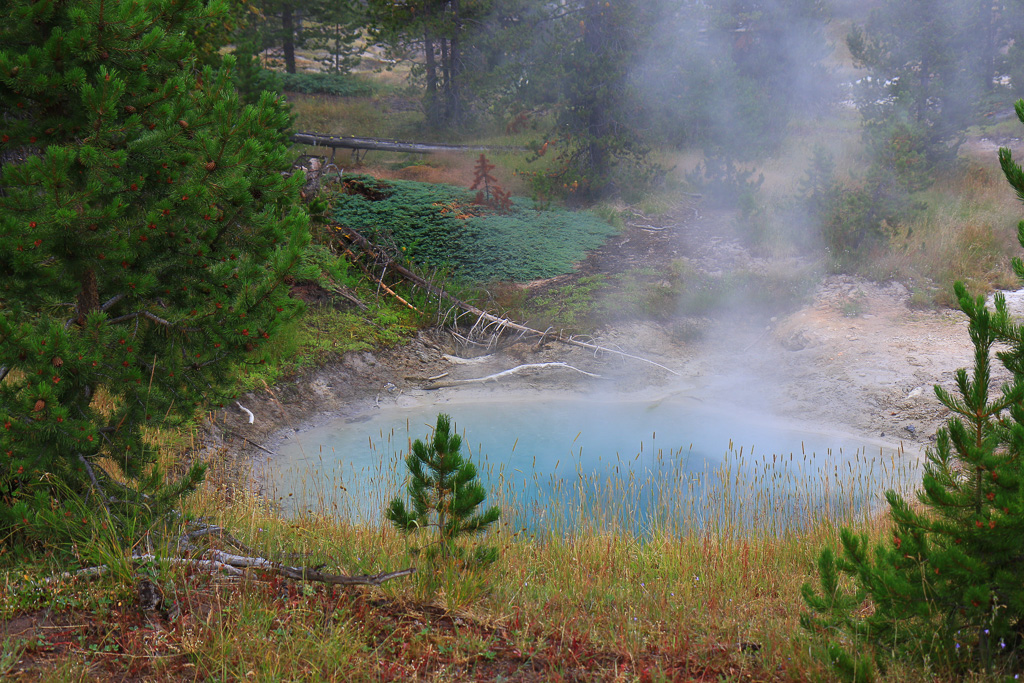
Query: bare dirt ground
[(855, 357)]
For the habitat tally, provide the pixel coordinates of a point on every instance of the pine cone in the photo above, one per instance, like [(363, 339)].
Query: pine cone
[(40, 404)]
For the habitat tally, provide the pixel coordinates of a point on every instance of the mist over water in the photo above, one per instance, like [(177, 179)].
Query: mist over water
[(565, 463)]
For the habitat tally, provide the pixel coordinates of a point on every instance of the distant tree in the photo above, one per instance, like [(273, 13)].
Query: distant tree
[(146, 232), (730, 75), (334, 27), (471, 57), (328, 26), (599, 108), (928, 64), (280, 26), (436, 29)]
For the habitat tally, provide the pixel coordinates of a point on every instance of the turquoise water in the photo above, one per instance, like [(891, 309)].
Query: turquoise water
[(640, 465)]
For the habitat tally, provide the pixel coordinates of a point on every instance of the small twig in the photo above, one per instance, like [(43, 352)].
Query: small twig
[(457, 360), (95, 484), (251, 443), (214, 530), (157, 319)]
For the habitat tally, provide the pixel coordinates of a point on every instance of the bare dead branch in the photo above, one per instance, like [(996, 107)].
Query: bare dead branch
[(386, 262), (93, 572), (305, 573), (506, 373), (95, 484)]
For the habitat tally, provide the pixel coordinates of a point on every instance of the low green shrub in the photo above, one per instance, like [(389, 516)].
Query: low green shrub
[(340, 85), (440, 226)]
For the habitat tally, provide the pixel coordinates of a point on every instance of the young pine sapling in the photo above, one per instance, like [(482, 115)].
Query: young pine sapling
[(445, 494)]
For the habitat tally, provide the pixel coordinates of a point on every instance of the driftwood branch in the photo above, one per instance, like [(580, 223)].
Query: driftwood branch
[(506, 373), (93, 572), (305, 573), (482, 316), (252, 418), (236, 564)]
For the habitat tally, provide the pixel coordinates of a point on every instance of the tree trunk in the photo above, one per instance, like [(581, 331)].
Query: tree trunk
[(430, 101), (446, 78), (595, 33), (288, 38), (88, 297), (455, 110)]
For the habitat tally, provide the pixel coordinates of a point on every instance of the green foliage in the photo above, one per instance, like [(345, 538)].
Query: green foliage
[(927, 79), (333, 27), (948, 587), (724, 185), (340, 85), (250, 77), (859, 220), (596, 127), (145, 236), (444, 494), (818, 189), (732, 74), (439, 225)]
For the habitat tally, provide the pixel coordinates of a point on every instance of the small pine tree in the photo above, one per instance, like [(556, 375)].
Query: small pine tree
[(146, 232), (489, 192), (445, 494), (948, 586)]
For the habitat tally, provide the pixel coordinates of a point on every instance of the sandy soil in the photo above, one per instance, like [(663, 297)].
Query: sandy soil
[(855, 358)]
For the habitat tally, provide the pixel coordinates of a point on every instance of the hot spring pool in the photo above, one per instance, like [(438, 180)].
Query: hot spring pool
[(562, 463)]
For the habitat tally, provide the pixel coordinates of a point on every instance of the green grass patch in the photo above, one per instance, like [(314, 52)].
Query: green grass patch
[(324, 333), (439, 226)]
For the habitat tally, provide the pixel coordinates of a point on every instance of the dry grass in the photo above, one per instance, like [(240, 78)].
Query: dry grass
[(680, 600), (967, 233)]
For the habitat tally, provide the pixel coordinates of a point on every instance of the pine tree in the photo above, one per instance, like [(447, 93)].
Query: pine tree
[(444, 493), (930, 62), (948, 585), (146, 231)]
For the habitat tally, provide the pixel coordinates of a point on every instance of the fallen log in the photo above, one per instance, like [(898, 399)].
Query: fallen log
[(235, 565), (502, 323), (382, 145), (507, 373)]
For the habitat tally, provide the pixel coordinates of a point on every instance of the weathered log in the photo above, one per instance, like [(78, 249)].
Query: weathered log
[(305, 573), (381, 145)]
